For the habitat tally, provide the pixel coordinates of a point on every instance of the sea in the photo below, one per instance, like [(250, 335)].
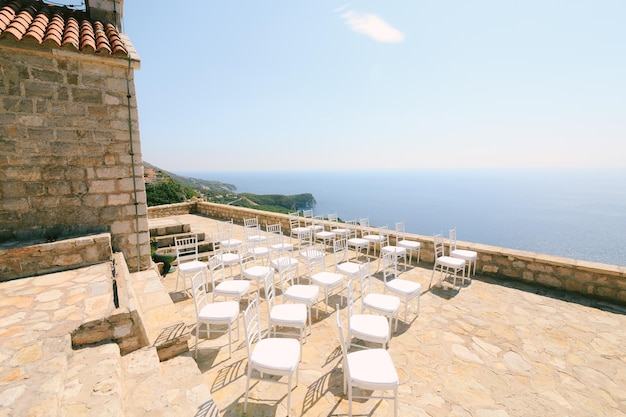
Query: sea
[(579, 214)]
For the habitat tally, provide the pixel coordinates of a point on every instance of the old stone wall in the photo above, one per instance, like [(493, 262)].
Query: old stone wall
[(70, 152), (588, 278)]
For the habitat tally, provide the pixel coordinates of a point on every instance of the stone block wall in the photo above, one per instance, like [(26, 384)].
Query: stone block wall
[(31, 260), (588, 278), (70, 152)]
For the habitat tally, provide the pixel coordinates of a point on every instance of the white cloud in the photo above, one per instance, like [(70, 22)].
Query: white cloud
[(372, 26)]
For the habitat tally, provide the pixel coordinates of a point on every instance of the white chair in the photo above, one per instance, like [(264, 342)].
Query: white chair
[(311, 255), (292, 315), (403, 288), (469, 256), (384, 304), (368, 370), (283, 263), (272, 356), (207, 314), (354, 241), (276, 239), (379, 239), (336, 228), (251, 270), (225, 230), (328, 281), (309, 220), (296, 228), (299, 293), (396, 251), (446, 264), (229, 253), (410, 245), (252, 230), (223, 287), (342, 264), (320, 234), (367, 327), (187, 258)]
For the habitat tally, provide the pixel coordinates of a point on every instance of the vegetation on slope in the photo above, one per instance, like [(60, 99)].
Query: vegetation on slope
[(163, 187)]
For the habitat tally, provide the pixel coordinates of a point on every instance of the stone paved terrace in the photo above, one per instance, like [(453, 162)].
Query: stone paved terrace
[(492, 349)]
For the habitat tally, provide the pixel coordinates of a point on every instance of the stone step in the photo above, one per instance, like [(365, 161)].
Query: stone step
[(167, 241), (163, 227), (144, 389), (164, 329), (93, 382)]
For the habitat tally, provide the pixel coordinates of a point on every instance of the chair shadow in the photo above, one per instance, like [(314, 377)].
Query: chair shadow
[(330, 382), (228, 374), (207, 409)]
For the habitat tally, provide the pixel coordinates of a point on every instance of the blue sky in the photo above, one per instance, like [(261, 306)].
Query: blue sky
[(317, 85)]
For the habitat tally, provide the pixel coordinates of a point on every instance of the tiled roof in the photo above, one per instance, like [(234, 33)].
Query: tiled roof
[(27, 20)]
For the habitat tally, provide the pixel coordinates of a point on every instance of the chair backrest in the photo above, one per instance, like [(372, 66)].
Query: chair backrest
[(218, 237), (315, 257), (332, 217), (390, 265), (318, 224), (342, 343), (198, 291), (216, 267), (273, 228), (351, 300), (294, 222), (253, 222), (439, 247), (252, 323), (383, 232), (340, 250), (270, 293), (365, 278), (452, 239), (305, 237), (308, 217), (186, 249), (365, 226), (225, 225), (351, 226)]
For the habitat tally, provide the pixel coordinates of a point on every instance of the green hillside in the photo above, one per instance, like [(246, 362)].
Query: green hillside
[(163, 187)]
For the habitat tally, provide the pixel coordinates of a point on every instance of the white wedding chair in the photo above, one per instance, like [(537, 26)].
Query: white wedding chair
[(445, 264), (309, 220), (335, 227), (327, 281), (187, 259), (300, 293), (207, 314), (368, 370), (252, 230), (310, 255), (320, 233), (225, 230), (290, 315), (384, 304), (367, 327), (272, 356), (229, 253), (223, 286), (379, 239), (469, 256), (252, 271), (410, 245), (276, 239), (354, 241), (297, 229), (403, 288), (342, 263)]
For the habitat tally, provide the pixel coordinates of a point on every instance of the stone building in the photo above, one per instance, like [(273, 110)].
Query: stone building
[(70, 151)]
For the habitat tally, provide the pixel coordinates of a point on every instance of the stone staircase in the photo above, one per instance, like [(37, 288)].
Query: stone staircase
[(163, 232)]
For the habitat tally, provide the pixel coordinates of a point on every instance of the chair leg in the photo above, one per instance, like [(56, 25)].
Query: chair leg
[(245, 403)]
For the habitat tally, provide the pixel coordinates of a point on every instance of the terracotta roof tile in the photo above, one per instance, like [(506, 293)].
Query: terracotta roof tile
[(58, 26)]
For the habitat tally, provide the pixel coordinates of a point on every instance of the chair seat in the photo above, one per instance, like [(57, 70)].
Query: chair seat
[(398, 251), (192, 266), (404, 287), (372, 369), (468, 255), (230, 258), (276, 263), (369, 327), (349, 268), (324, 235), (302, 293), (312, 254), (257, 272), (358, 242), (409, 244), (230, 243), (382, 302), (279, 247), (327, 279), (232, 288), (222, 312), (373, 238), (289, 315), (276, 355), (450, 262)]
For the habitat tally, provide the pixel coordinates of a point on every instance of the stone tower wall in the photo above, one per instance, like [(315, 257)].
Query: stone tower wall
[(70, 161)]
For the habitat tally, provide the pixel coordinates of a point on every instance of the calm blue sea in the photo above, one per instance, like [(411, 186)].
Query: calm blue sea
[(578, 214)]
